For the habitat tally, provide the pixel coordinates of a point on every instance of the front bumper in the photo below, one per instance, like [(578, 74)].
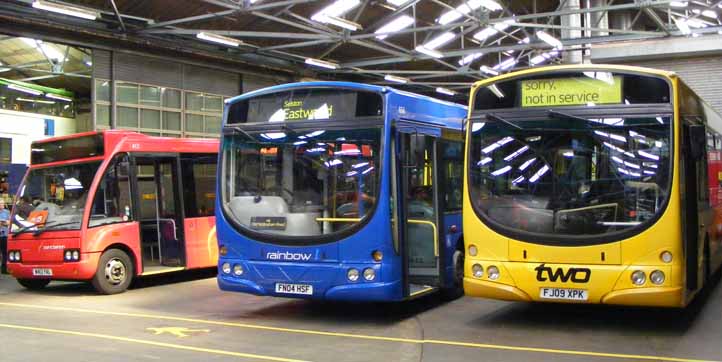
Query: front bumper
[(81, 270)]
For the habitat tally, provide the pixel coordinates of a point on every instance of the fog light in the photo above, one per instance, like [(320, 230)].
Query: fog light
[(477, 270), (657, 277), (492, 272), (238, 270), (377, 255), (226, 267), (472, 250), (76, 255), (369, 274), (666, 256), (223, 250), (638, 277), (11, 256), (68, 255), (352, 274)]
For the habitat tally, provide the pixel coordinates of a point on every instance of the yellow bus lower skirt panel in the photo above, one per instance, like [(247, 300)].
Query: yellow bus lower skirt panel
[(475, 287)]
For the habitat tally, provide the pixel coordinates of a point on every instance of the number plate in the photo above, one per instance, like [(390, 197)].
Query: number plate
[(564, 294), (42, 272), (303, 289)]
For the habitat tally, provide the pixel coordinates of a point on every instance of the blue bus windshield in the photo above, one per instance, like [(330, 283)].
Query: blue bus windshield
[(294, 185)]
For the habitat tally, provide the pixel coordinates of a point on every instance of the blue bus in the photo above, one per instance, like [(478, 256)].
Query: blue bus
[(314, 178)]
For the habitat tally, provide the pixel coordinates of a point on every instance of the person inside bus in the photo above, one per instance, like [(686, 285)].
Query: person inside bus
[(421, 203), (24, 207)]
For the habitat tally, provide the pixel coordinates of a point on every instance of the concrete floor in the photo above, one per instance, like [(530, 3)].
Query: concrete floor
[(69, 322)]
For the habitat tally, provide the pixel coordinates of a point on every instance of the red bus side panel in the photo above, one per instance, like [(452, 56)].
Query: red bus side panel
[(101, 237), (201, 243)]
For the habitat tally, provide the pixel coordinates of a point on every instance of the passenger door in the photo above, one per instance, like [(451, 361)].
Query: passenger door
[(160, 212), (418, 211)]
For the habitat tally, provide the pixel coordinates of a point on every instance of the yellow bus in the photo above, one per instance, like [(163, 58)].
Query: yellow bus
[(591, 184)]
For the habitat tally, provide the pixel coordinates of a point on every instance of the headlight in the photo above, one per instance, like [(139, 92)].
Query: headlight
[(638, 277), (666, 256), (472, 250), (477, 270), (369, 274), (352, 274), (657, 277), (226, 267), (492, 272), (76, 255), (238, 270)]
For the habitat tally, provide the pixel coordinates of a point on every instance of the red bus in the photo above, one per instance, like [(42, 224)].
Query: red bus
[(106, 207)]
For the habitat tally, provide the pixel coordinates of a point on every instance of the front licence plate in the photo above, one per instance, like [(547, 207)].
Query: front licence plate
[(564, 294), (303, 289), (42, 272)]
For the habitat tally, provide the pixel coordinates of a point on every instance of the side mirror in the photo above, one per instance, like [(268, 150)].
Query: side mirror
[(697, 141)]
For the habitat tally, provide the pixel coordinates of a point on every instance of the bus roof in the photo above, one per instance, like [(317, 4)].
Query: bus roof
[(448, 114), (573, 67), (116, 140)]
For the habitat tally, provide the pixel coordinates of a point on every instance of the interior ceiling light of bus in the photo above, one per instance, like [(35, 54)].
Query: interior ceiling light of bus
[(545, 37), (402, 22), (527, 163), (273, 135), (466, 8), (484, 161), (516, 153), (501, 171), (497, 92), (496, 144), (539, 174), (477, 126)]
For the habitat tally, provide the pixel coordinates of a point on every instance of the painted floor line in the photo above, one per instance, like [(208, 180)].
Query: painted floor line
[(362, 336), (151, 343)]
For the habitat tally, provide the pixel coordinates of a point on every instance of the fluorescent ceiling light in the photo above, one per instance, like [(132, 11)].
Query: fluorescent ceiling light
[(506, 64), (34, 100), (337, 9), (554, 42), (65, 9), (429, 52), (497, 92), (485, 33), (321, 63), (695, 23), (524, 41), (402, 22), (679, 4), (59, 97), (710, 14), (220, 39), (440, 40), (25, 90), (445, 91), (397, 2), (541, 58), (682, 26), (395, 79), (51, 52), (488, 70), (470, 58), (341, 23), (465, 8)]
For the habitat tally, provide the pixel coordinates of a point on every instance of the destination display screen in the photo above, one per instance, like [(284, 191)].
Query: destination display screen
[(67, 149), (571, 91), (306, 105), (560, 89)]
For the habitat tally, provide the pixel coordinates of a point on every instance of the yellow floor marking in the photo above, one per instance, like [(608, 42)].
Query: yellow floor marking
[(362, 336), (163, 271), (156, 344), (180, 332)]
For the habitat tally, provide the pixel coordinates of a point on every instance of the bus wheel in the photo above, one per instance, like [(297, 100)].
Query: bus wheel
[(34, 284), (115, 272), (456, 290)]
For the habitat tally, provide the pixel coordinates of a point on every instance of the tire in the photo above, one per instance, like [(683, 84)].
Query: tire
[(456, 290), (115, 272), (34, 284)]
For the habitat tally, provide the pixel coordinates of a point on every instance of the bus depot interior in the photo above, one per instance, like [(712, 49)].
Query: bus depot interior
[(355, 180)]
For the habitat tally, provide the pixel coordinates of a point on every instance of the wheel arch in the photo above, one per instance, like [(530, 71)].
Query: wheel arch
[(135, 259)]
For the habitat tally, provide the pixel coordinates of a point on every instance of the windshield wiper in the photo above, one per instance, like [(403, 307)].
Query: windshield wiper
[(568, 117), (25, 228), (53, 226), (496, 118)]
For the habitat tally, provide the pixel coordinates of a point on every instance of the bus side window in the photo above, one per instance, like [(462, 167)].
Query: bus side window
[(199, 186), (112, 201)]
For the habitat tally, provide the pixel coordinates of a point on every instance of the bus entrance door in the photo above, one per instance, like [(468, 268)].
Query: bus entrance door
[(419, 207), (160, 214)]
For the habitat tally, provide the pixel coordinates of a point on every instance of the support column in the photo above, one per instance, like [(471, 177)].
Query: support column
[(572, 55)]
